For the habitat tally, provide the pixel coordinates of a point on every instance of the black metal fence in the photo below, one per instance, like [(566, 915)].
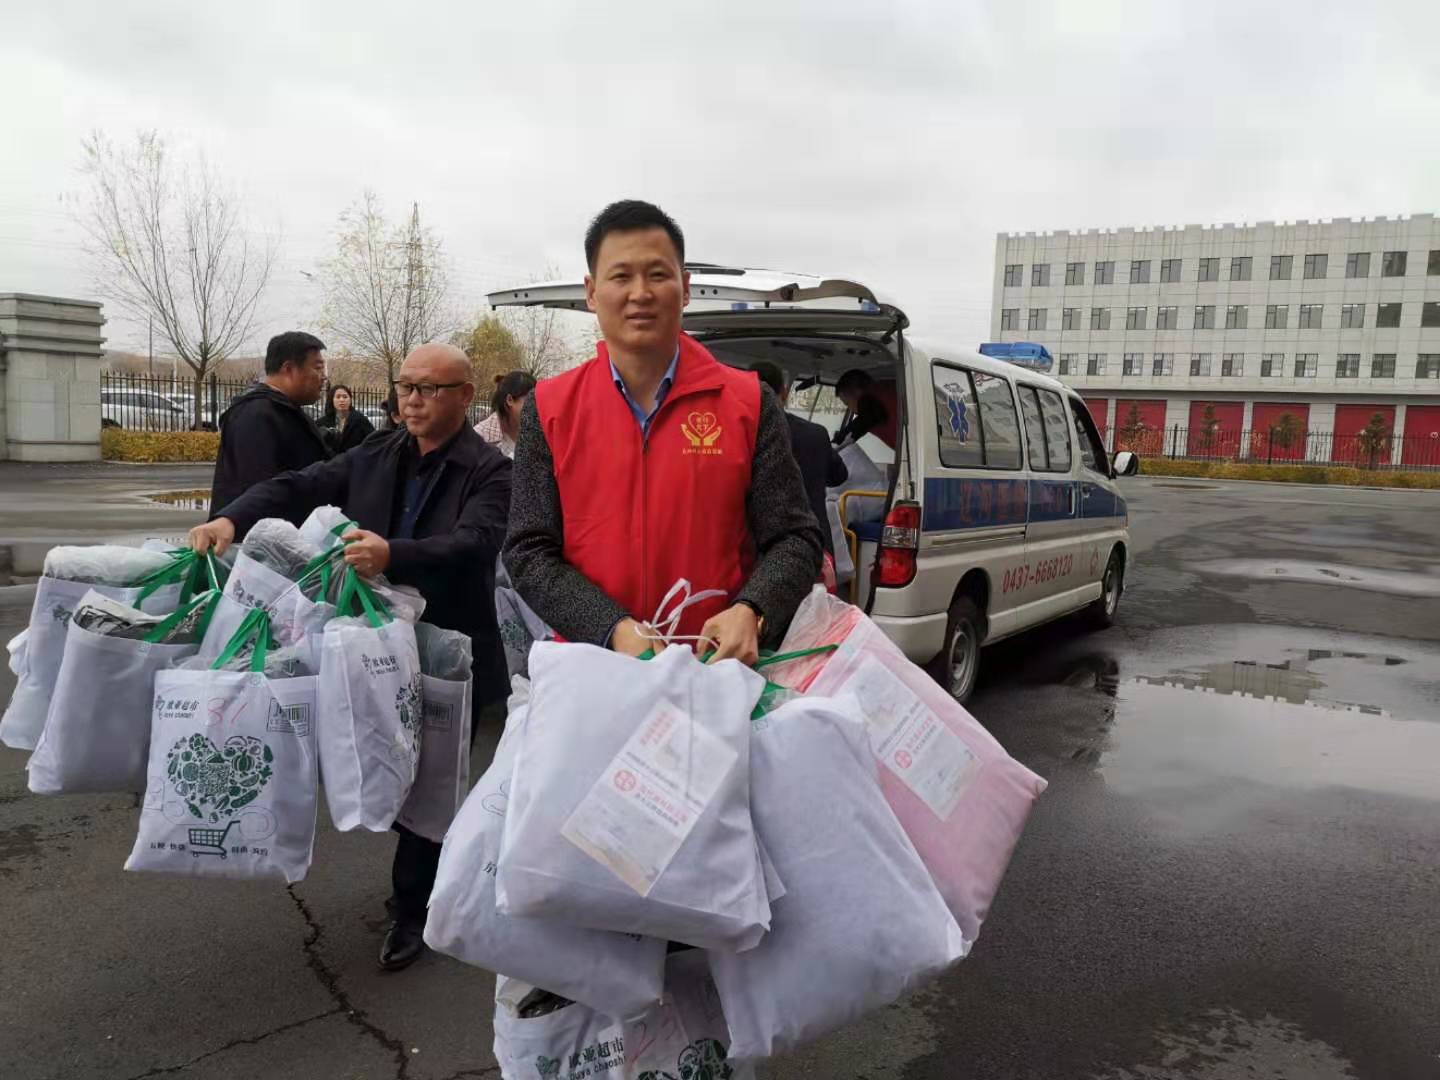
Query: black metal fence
[(1276, 446), (163, 403)]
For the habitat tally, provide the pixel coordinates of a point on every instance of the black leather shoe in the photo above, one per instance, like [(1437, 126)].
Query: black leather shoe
[(404, 942)]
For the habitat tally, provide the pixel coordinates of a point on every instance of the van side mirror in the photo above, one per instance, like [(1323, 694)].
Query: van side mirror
[(1126, 463)]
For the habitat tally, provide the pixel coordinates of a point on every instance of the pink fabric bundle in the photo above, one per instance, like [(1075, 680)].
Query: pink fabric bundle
[(961, 799)]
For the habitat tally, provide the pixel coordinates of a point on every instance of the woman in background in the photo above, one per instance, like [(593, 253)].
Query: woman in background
[(501, 426), (344, 426)]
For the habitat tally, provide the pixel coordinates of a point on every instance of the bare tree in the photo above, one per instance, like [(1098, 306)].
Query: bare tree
[(387, 289), (169, 244)]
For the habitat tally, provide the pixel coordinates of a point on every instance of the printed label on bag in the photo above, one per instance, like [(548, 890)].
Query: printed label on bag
[(911, 741), (605, 1054), (647, 800)]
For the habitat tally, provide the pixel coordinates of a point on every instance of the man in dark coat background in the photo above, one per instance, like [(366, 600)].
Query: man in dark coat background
[(432, 500), (265, 432), (820, 465)]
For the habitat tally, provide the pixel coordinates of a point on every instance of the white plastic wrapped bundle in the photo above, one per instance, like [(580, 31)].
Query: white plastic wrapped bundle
[(444, 654), (324, 527), (103, 564)]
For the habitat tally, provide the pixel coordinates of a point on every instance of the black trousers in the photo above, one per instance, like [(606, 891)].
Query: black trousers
[(412, 874)]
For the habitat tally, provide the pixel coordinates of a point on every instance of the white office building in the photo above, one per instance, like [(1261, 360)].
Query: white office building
[(1276, 341)]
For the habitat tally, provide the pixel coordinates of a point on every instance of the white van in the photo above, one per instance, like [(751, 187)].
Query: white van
[(1000, 509)]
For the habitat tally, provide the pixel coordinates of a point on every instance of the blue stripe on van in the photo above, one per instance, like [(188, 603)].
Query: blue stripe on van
[(1053, 500), (953, 503)]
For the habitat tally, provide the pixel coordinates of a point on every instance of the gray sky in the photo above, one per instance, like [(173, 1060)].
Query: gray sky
[(889, 142)]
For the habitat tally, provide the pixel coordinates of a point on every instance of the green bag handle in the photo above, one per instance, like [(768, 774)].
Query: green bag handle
[(798, 654), (209, 597), (374, 608), (256, 624), (181, 565), (322, 565)]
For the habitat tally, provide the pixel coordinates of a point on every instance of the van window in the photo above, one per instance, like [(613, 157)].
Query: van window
[(1092, 450), (999, 423), (1034, 428), (957, 419), (1057, 432)]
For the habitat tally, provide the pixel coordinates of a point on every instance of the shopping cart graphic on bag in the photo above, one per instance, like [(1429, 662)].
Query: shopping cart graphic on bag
[(209, 841)]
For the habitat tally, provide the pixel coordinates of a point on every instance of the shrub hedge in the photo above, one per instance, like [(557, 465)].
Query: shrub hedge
[(1289, 474), (118, 444)]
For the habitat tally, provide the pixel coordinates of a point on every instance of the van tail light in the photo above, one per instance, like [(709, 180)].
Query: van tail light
[(899, 543)]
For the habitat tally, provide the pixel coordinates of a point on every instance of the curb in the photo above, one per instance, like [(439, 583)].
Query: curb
[(1290, 484)]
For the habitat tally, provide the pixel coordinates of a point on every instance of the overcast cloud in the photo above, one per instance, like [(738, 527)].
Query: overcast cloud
[(885, 142)]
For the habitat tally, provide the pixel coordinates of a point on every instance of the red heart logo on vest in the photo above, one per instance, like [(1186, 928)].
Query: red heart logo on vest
[(701, 423)]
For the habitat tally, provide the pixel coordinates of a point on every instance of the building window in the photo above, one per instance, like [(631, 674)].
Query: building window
[(1392, 264), (1170, 269), (1167, 318), (1067, 363), (1232, 364), (1316, 266), (1099, 318), (1357, 264), (1277, 316), (1134, 361), (1240, 268), (1272, 365), (1427, 366), (1280, 267), (1200, 363), (1135, 318), (1237, 317), (1432, 265), (1382, 365), (1430, 313), (1387, 315), (1014, 274), (1040, 274), (1162, 363), (1347, 365), (1311, 316), (1105, 272), (1205, 317), (1070, 318), (1306, 365), (1010, 318), (1036, 319), (1352, 316), (1209, 270), (1140, 272), (1075, 273), (1095, 364)]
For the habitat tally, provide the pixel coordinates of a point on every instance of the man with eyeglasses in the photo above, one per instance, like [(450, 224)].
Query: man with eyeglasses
[(432, 501)]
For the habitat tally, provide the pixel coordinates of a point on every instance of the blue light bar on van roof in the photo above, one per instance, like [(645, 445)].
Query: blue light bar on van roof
[(1025, 353)]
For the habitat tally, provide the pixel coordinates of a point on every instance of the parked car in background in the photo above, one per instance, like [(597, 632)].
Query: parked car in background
[(141, 410), (207, 411)]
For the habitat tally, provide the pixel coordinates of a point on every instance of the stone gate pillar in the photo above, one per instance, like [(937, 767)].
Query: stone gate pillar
[(50, 350)]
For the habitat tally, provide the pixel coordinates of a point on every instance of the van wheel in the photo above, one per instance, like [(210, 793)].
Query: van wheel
[(1103, 611), (958, 663)]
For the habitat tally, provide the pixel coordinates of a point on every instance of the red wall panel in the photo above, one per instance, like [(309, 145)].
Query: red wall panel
[(1422, 435), (1148, 437), (1224, 439), (1266, 416), (1350, 420)]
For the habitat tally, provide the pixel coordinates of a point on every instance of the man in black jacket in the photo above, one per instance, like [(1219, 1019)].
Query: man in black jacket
[(820, 465), (432, 502), (265, 432)]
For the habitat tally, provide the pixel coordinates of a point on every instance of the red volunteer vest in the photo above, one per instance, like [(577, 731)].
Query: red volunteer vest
[(641, 514)]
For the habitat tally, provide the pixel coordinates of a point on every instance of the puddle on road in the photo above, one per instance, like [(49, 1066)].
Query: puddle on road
[(1395, 582), (193, 499), (1227, 1045)]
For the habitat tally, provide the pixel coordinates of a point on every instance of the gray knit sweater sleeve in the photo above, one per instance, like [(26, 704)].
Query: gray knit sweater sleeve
[(787, 537), (573, 605)]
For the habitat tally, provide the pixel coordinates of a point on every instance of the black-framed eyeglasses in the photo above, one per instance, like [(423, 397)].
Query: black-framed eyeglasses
[(427, 389)]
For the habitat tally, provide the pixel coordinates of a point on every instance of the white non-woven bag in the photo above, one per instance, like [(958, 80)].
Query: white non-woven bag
[(861, 922), (97, 733), (683, 1036), (232, 784), (442, 777), (630, 809), (44, 644), (370, 702), (620, 973)]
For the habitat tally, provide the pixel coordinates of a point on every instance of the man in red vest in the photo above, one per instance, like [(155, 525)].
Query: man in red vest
[(654, 463)]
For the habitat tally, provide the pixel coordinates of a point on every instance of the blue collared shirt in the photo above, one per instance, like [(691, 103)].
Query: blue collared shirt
[(643, 418)]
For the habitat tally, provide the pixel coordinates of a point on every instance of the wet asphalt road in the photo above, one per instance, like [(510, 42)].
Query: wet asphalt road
[(1234, 873)]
